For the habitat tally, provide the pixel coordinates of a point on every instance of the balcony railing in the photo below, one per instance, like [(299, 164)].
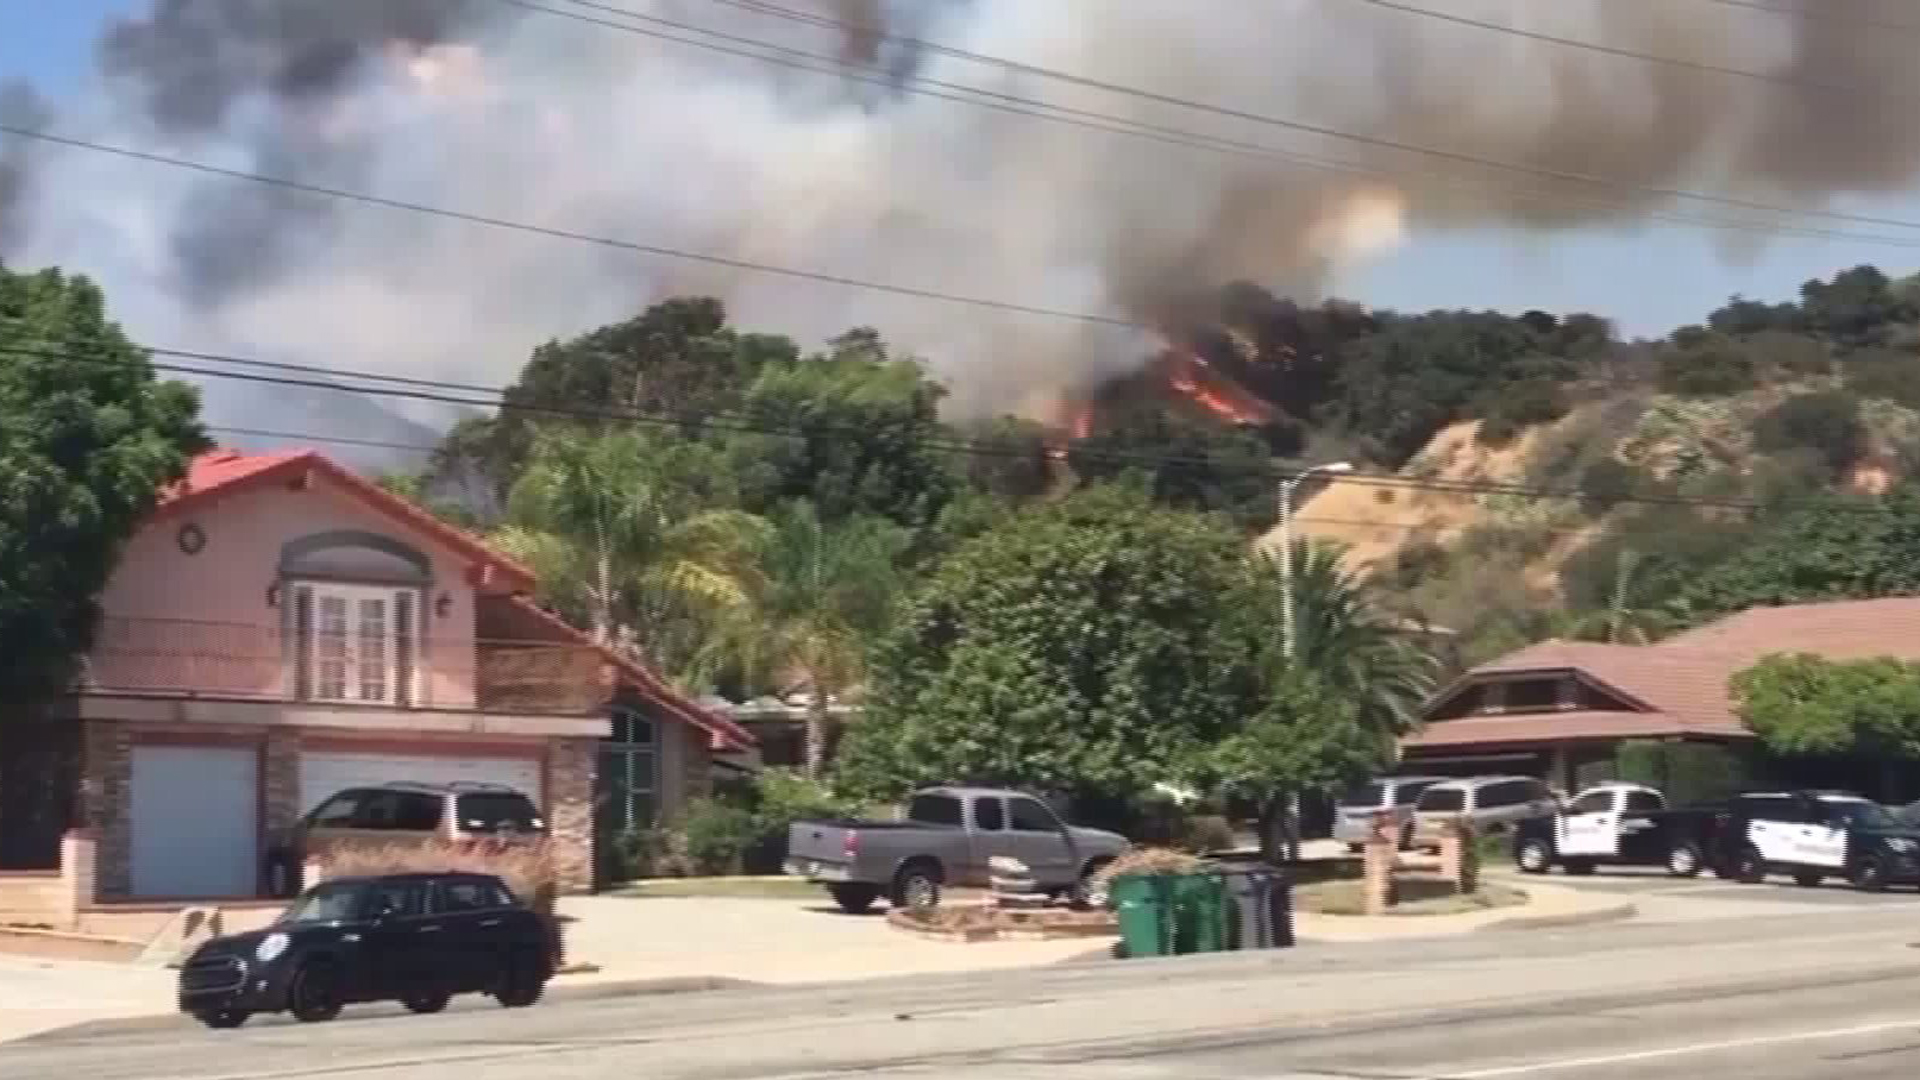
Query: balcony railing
[(242, 662)]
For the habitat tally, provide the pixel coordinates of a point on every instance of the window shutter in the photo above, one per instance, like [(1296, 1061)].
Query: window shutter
[(301, 613), (405, 644)]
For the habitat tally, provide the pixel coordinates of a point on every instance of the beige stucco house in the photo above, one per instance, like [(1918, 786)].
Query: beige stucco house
[(282, 628)]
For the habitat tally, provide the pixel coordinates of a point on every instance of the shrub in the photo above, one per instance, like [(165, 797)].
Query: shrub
[(1605, 483), (1886, 375), (1706, 368), (1827, 421), (1149, 860), (1684, 772), (527, 869), (716, 836)]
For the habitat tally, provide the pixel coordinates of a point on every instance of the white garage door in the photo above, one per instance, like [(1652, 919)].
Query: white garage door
[(195, 821), (322, 775)]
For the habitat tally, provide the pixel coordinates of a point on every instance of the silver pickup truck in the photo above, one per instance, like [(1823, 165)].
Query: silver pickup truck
[(947, 837)]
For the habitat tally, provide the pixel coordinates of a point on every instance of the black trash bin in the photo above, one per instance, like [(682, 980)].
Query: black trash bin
[(1259, 905)]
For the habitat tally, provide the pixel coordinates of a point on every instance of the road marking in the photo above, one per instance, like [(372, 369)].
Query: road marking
[(1681, 1051)]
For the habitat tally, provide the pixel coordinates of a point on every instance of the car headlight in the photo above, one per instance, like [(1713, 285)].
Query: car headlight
[(1902, 844), (270, 946)]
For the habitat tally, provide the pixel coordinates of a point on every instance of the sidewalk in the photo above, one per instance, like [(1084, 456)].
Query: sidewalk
[(40, 995)]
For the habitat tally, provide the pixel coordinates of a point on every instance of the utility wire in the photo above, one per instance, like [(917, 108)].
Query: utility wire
[(423, 390), (1626, 54), (1545, 172), (1092, 120)]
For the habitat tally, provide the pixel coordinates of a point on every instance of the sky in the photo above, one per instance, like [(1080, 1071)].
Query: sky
[(1647, 279)]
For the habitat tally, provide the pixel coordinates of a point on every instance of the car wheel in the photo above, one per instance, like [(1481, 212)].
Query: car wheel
[(1579, 867), (1749, 868), (523, 982), (1869, 875), (917, 888), (1534, 857), (222, 1019), (426, 1004), (854, 899), (1090, 892), (1808, 881), (1683, 861), (315, 994)]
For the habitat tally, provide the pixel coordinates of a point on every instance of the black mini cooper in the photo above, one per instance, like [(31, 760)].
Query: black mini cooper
[(418, 939)]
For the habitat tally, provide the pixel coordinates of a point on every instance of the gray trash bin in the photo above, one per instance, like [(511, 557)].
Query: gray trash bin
[(1259, 904)]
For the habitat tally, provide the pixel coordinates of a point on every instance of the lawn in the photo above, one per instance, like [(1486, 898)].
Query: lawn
[(1418, 896)]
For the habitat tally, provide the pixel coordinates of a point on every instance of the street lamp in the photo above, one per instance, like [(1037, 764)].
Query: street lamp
[(1287, 488)]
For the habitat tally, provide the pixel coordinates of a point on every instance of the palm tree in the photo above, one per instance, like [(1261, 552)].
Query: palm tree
[(1350, 641), (619, 535), (823, 592)]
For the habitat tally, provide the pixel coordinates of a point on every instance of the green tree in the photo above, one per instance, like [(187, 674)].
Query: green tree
[(821, 595), (622, 528), (1826, 422), (1842, 550), (1082, 648), (88, 438), (1803, 705), (1186, 464), (1305, 736), (854, 431)]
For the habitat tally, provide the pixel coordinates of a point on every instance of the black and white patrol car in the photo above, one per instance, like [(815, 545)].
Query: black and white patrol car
[(1815, 835), (1618, 825)]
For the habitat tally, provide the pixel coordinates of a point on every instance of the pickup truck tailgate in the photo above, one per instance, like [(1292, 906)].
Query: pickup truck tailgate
[(820, 850)]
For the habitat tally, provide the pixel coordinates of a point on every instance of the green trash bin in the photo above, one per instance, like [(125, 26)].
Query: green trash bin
[(1199, 904), (1142, 902)]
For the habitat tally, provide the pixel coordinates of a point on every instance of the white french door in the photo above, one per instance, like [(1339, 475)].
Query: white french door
[(358, 643)]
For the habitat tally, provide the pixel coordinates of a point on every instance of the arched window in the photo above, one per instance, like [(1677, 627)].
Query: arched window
[(354, 609)]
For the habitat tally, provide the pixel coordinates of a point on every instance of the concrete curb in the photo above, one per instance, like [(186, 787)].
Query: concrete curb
[(602, 991), (1610, 913)]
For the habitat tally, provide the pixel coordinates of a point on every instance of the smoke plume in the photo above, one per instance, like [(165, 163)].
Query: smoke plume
[(487, 108)]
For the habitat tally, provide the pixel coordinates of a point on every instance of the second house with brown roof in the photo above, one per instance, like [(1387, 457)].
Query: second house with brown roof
[(1560, 709)]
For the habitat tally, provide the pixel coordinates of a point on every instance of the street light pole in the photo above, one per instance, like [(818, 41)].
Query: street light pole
[(1287, 635)]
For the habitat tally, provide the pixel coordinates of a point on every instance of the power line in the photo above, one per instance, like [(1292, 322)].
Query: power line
[(562, 234), (1544, 172), (1092, 120), (422, 390), (1626, 54)]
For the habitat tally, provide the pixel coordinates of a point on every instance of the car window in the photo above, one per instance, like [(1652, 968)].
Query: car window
[(1407, 794), (325, 904), (456, 895), (1494, 796), (1442, 800), (497, 811), (379, 810), (1027, 815), (416, 811), (1594, 802), (337, 812), (396, 899), (1859, 815), (1538, 791), (1365, 796), (935, 810), (1771, 808), (1640, 802), (989, 814)]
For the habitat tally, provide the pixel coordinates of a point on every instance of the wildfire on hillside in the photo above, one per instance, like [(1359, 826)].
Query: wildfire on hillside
[(1177, 375)]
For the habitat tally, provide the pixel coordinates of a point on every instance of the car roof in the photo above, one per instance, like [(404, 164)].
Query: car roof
[(1483, 781), (371, 879), (451, 787)]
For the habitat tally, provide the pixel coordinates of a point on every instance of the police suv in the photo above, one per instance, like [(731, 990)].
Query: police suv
[(1617, 825), (1814, 835)]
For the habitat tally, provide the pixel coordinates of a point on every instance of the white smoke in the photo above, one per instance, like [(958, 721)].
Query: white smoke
[(588, 129)]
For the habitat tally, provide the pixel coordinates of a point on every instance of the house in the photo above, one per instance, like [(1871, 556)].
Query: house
[(1559, 709), (281, 628)]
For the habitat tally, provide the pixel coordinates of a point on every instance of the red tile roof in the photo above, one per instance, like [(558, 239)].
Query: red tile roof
[(726, 734), (222, 473), (1680, 685)]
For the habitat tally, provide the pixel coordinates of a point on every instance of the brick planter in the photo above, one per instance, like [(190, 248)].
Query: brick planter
[(972, 923)]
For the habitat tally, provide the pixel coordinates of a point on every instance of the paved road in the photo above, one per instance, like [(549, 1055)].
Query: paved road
[(1786, 998)]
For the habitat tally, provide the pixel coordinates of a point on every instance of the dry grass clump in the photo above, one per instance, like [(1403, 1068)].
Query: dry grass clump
[(1151, 860), (527, 869)]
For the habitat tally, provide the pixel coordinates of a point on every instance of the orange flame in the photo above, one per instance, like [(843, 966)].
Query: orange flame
[(1194, 377)]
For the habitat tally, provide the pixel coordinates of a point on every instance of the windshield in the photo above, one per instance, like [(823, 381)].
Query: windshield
[(498, 811), (1864, 815), (325, 904), (1365, 795)]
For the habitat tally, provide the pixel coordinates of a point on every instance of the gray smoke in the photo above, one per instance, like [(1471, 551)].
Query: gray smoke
[(486, 108)]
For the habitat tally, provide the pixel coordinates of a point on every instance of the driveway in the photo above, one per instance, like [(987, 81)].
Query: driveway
[(1662, 898), (44, 994), (772, 941)]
